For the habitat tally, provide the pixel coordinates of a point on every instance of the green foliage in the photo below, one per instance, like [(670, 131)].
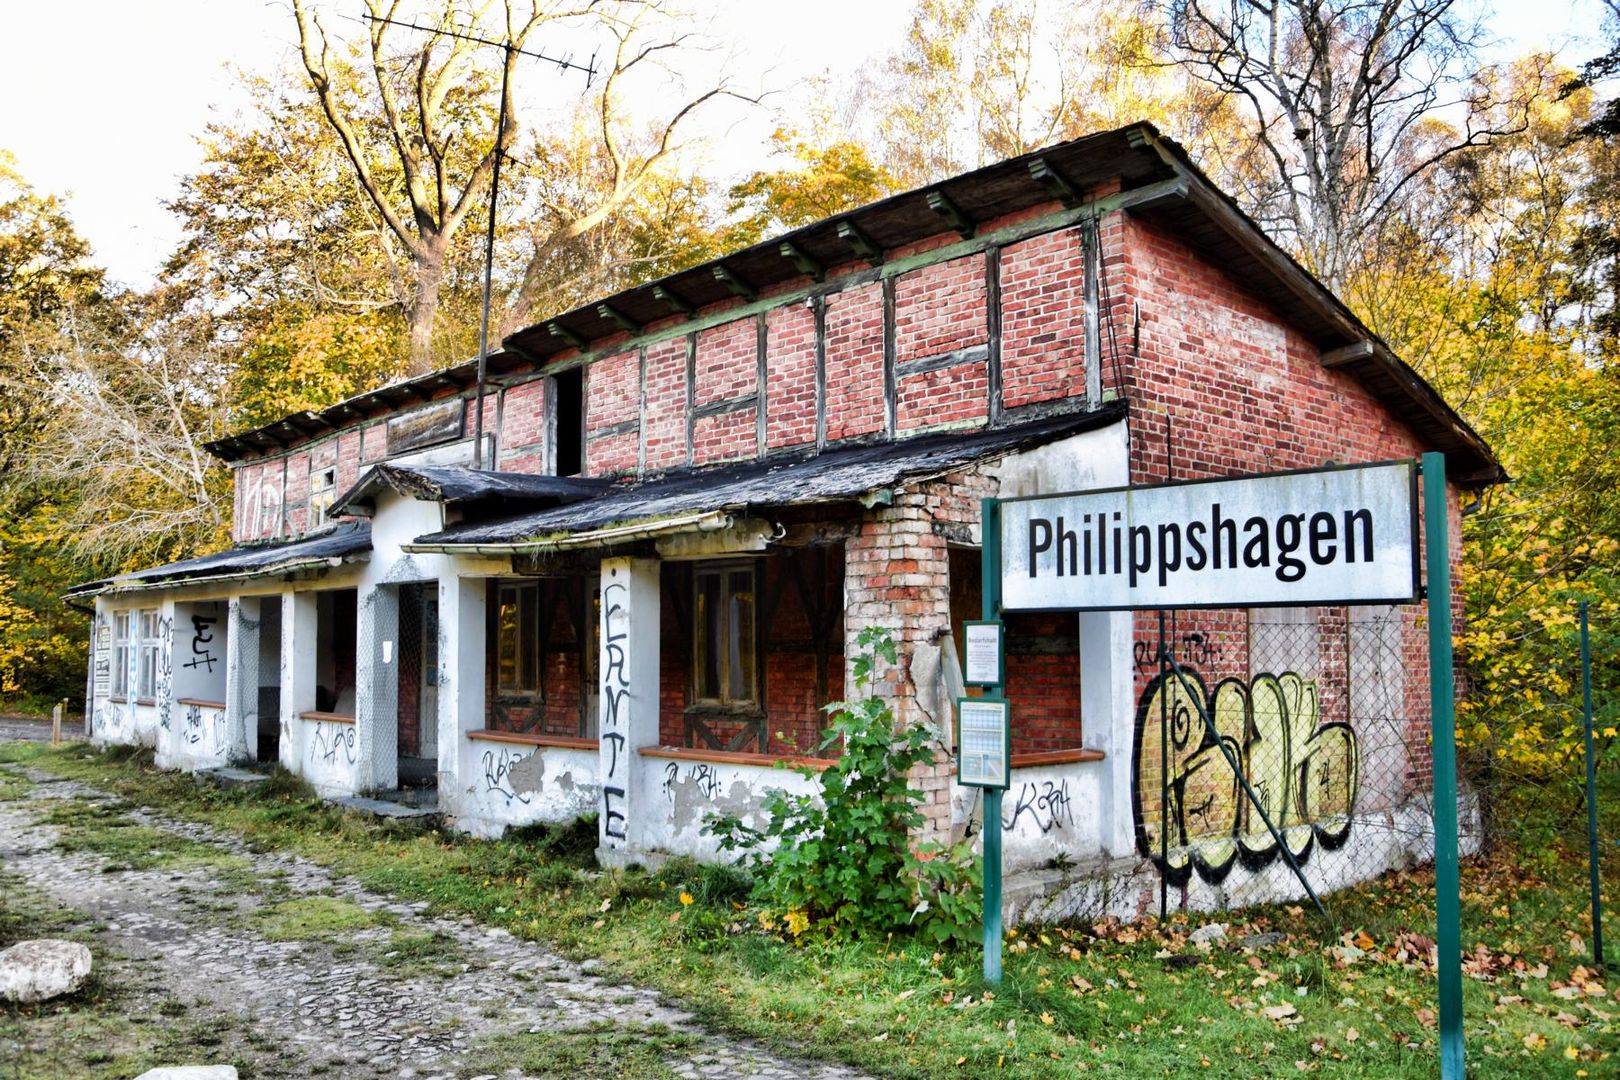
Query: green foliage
[(843, 860)]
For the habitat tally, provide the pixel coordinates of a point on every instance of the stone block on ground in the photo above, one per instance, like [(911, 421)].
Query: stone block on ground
[(190, 1072), (42, 969)]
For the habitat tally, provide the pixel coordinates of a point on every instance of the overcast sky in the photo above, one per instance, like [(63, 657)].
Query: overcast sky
[(103, 99)]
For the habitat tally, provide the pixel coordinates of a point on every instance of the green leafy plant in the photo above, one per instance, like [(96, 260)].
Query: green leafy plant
[(843, 859)]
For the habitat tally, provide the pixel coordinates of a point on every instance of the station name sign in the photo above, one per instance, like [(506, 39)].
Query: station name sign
[(1323, 536)]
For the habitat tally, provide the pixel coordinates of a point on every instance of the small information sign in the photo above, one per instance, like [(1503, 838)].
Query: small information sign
[(982, 664), (983, 742)]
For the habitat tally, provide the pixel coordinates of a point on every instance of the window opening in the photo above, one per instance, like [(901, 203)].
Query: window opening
[(724, 635), (121, 646), (568, 434), (146, 686)]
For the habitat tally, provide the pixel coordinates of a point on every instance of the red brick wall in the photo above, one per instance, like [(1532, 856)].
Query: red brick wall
[(1043, 319), (727, 362), (613, 386), (666, 404), (1221, 385), (940, 309), (523, 427), (854, 349), (790, 348)]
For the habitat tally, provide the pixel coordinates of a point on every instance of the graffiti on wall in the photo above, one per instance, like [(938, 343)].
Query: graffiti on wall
[(165, 671), (332, 743), (202, 639), (1304, 773), (203, 723), (615, 707), (702, 778), (498, 766), (1045, 805)]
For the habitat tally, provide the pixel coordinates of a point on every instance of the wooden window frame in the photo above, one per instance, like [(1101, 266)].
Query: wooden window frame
[(753, 703), (121, 644), (149, 646)]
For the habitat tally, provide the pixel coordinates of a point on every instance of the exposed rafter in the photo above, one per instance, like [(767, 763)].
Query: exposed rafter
[(674, 301), (802, 259), (618, 318), (558, 330), (736, 284), (864, 245), (941, 204), (1053, 181)]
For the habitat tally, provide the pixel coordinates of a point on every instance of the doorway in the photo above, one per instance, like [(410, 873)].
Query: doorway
[(418, 674)]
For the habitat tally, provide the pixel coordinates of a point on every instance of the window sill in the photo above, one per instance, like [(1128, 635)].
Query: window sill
[(326, 717), (1056, 757), (200, 703), (562, 742), (730, 757), (119, 699), (145, 701)]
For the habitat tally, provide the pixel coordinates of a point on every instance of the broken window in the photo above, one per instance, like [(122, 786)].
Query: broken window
[(146, 684), (724, 653), (322, 492), (568, 419), (120, 661), (517, 640)]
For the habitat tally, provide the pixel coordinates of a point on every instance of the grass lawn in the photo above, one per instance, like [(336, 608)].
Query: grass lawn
[(1356, 1000)]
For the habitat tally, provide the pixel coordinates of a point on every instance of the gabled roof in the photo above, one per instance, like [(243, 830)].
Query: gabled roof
[(850, 475), (348, 542), (455, 485), (1159, 179)]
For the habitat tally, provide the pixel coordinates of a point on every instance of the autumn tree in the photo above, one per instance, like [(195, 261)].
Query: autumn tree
[(1344, 98), (430, 97)]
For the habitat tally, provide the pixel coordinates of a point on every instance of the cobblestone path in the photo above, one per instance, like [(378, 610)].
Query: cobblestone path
[(337, 1007)]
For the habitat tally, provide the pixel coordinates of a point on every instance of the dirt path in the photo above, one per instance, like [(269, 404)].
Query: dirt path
[(310, 974)]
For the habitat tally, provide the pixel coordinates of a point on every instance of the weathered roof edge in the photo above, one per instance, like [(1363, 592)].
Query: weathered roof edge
[(1361, 353), (452, 484), (345, 542)]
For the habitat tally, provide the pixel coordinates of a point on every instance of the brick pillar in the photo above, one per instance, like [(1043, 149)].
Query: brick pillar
[(897, 576)]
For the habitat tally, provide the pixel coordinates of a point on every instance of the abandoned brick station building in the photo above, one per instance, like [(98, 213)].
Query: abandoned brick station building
[(696, 493)]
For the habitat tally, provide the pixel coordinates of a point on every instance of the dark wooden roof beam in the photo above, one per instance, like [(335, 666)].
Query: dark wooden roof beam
[(619, 319), (733, 281), (558, 330), (941, 204), (1355, 352), (863, 244), (1054, 182), (674, 301), (802, 259)]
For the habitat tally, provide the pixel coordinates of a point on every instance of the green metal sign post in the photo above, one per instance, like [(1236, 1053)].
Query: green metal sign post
[(990, 581), (1443, 733)]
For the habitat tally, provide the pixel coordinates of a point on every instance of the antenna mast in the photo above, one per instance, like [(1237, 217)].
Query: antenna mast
[(564, 65)]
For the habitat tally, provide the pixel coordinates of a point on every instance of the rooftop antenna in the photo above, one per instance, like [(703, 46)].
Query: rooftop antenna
[(564, 65)]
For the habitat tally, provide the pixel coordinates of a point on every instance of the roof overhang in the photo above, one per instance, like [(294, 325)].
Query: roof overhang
[(346, 544)]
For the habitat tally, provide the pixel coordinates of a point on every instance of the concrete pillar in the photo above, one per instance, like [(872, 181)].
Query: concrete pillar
[(1108, 718), (376, 681), (461, 671), (299, 626), (242, 678), (629, 702), (163, 692)]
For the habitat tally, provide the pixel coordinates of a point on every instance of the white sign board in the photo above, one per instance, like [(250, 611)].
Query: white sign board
[(982, 662), (1327, 536), (983, 742)]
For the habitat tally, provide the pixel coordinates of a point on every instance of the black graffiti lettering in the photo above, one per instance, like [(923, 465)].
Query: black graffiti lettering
[(702, 776), (613, 820), (1047, 802), (498, 775), (616, 741), (329, 740)]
